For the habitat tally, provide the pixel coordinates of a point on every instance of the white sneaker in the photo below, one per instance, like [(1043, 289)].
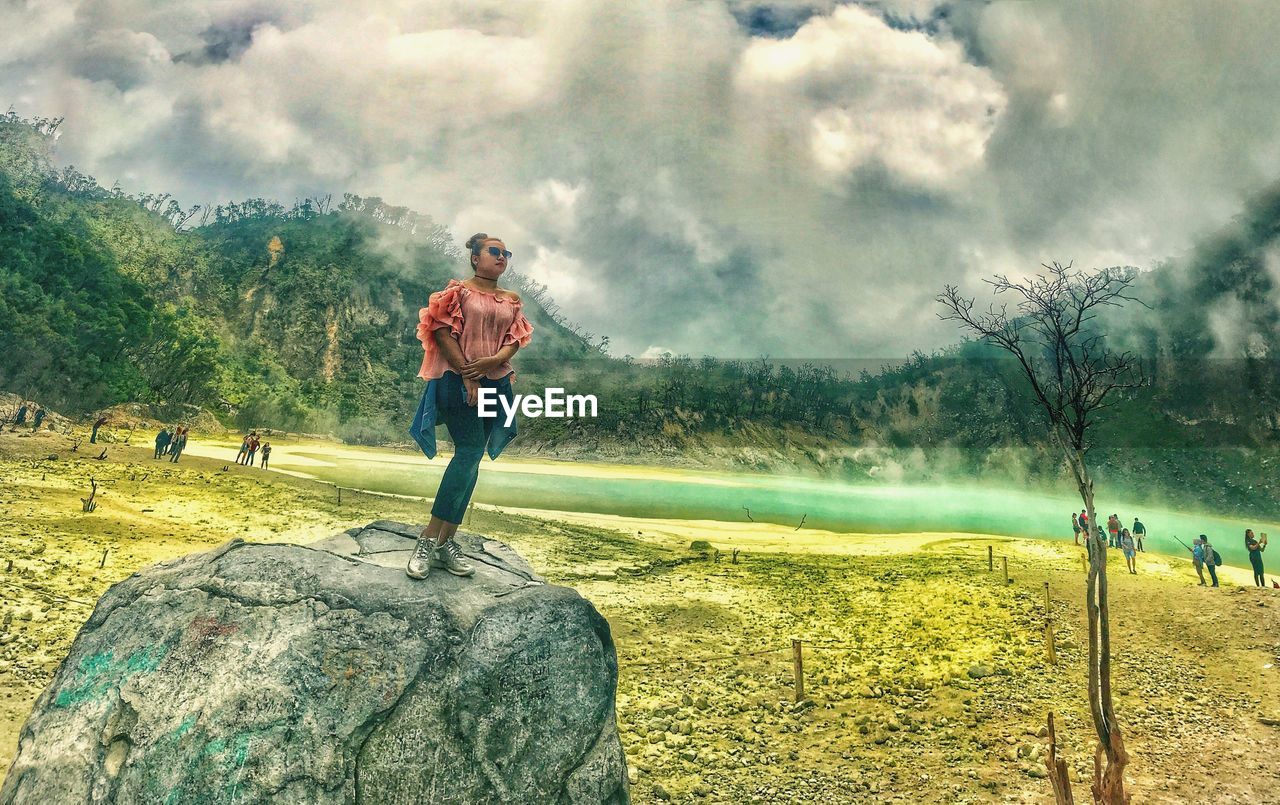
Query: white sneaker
[(449, 556), (423, 554)]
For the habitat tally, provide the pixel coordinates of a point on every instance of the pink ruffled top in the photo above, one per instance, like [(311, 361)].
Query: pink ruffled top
[(481, 322)]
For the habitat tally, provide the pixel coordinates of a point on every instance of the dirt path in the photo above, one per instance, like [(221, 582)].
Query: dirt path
[(925, 673)]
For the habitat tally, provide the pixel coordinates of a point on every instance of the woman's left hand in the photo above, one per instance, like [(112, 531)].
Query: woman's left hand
[(479, 367)]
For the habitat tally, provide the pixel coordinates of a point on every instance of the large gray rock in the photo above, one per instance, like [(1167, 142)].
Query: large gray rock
[(317, 674)]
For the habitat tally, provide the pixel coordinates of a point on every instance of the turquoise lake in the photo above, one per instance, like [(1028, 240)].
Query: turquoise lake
[(823, 504)]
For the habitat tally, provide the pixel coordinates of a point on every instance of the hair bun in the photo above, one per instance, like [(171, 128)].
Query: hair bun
[(476, 240)]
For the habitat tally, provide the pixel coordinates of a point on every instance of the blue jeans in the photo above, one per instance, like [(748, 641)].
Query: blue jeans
[(470, 435)]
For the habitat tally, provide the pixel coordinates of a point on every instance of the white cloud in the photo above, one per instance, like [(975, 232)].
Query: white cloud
[(123, 57), (558, 201), (31, 31), (868, 93), (672, 176), (571, 281), (653, 352)]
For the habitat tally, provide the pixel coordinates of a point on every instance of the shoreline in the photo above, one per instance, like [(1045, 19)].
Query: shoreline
[(310, 454)]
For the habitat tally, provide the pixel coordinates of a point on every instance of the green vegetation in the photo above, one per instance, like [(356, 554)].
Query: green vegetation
[(298, 318), (303, 319)]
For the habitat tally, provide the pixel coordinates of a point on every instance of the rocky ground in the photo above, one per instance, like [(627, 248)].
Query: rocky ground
[(925, 674)]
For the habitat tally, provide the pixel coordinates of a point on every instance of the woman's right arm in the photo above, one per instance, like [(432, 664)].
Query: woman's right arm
[(449, 347), (453, 354)]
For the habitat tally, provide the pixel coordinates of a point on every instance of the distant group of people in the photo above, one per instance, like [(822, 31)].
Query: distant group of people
[(1130, 542), (250, 447), (20, 418), (171, 444), (1203, 556)]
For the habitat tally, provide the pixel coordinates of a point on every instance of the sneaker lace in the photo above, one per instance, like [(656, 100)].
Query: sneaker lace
[(423, 548)]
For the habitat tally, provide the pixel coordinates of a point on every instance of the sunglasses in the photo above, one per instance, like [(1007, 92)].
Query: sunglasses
[(496, 252)]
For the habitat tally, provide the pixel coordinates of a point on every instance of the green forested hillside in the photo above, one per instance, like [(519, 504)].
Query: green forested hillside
[(301, 318)]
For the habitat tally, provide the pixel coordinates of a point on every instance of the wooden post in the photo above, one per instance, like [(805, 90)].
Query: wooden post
[(9, 567), (1049, 648), (991, 560), (798, 668), (104, 558), (1005, 561), (339, 494)]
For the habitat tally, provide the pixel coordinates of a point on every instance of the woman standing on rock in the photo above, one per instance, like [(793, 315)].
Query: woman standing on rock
[(1255, 548), (469, 333)]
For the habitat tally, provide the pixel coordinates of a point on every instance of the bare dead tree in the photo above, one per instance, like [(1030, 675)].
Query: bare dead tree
[(45, 126), (1073, 375), (1057, 769), (89, 504), (181, 219)]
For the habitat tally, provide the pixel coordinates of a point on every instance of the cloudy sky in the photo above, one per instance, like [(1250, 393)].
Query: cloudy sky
[(724, 177)]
